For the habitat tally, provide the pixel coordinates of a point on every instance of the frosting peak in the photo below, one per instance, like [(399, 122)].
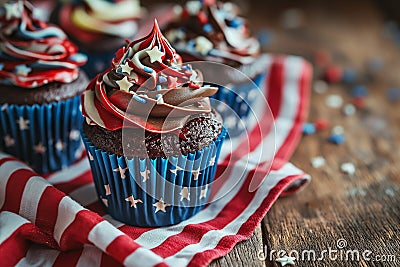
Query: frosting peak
[(32, 52), (214, 31), (145, 84)]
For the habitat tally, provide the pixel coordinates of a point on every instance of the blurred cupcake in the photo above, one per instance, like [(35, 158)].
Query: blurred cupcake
[(40, 87), (99, 27), (213, 31), (151, 136)]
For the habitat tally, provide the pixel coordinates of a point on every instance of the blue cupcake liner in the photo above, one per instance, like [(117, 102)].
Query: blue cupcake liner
[(45, 136), (118, 179), (239, 98)]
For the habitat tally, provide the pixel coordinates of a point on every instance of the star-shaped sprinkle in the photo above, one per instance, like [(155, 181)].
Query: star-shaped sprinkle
[(286, 260), (107, 188), (9, 141), (105, 201), (22, 70), (90, 156), (133, 201), (196, 174), (155, 54), (203, 192), (23, 124), (121, 171), (177, 168), (145, 175), (39, 148), (185, 194), (12, 10), (126, 68), (203, 45), (74, 135), (124, 84), (60, 145), (212, 161), (160, 205)]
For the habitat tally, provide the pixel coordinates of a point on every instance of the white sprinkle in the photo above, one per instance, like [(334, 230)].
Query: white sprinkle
[(193, 7), (318, 162), (203, 45), (320, 86), (338, 130), (349, 110), (334, 101), (348, 168)]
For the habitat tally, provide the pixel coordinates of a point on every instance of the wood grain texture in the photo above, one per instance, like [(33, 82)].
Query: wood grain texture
[(364, 208)]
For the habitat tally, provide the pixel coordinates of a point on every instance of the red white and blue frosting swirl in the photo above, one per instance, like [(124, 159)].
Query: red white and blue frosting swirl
[(212, 30), (145, 84), (32, 52)]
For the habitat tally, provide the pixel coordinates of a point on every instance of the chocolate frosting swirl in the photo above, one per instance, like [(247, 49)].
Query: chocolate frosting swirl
[(148, 87), (213, 31), (32, 52)]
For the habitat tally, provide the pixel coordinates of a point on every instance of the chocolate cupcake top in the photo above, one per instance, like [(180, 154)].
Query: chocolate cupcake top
[(98, 20), (213, 31), (147, 87), (32, 52)]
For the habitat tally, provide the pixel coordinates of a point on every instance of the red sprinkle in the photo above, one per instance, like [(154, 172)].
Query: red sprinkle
[(333, 74), (359, 102), (194, 86), (182, 136), (321, 124), (202, 17)]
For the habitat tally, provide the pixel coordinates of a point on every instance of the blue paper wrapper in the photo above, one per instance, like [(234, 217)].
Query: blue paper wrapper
[(154, 192), (239, 98), (45, 136)]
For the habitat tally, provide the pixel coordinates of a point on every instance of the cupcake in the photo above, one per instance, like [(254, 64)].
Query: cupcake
[(99, 27), (151, 136), (213, 31), (40, 87)]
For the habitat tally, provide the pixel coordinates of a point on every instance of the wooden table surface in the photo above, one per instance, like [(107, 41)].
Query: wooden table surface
[(364, 208)]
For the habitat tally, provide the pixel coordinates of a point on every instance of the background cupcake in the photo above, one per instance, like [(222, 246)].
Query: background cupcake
[(151, 136), (40, 84), (213, 31), (99, 27)]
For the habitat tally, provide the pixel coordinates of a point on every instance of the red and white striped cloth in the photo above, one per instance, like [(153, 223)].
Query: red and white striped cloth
[(57, 221)]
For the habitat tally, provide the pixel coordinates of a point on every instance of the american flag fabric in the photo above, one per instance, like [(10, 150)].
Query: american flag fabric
[(57, 220)]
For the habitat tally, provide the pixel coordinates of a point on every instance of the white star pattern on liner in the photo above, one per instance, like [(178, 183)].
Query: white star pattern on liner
[(145, 175), (39, 148), (12, 10), (212, 161), (124, 84), (155, 54), (23, 70), (107, 188), (74, 135), (196, 174), (23, 124), (286, 260), (185, 194), (177, 168), (160, 205), (133, 201), (90, 156), (60, 145), (126, 68), (121, 171), (203, 192), (9, 141)]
